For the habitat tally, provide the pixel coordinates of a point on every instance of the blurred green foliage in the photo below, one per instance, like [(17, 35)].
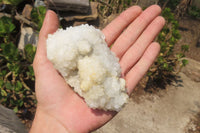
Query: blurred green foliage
[(6, 26), (11, 2), (126, 3), (172, 4), (37, 15), (167, 63), (194, 12), (108, 7), (15, 69)]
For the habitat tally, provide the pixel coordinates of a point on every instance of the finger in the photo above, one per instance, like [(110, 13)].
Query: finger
[(142, 66), (50, 25), (136, 51), (134, 30), (114, 29)]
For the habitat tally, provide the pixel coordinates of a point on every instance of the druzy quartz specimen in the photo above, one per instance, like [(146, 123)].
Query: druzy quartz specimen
[(83, 58)]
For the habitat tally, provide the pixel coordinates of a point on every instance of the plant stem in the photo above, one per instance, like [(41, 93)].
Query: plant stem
[(23, 83), (164, 5), (100, 1), (7, 75)]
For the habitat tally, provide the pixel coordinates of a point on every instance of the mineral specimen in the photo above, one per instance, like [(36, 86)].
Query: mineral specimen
[(83, 58)]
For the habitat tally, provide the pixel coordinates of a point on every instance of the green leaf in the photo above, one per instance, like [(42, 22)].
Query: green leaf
[(185, 48), (3, 93), (160, 59), (18, 86), (6, 25), (194, 12), (180, 55), (149, 73), (14, 67), (185, 62), (4, 72), (21, 103), (3, 45), (30, 52), (10, 67), (37, 15), (170, 68), (172, 3), (8, 85), (31, 73), (12, 2), (15, 109), (30, 68), (169, 16), (10, 52), (176, 34), (165, 65), (1, 83)]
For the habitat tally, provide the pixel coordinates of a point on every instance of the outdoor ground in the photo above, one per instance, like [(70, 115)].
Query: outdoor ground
[(190, 34), (175, 109), (169, 111)]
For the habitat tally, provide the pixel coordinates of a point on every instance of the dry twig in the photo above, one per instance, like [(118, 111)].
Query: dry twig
[(26, 21), (164, 5), (7, 75), (23, 83), (20, 18), (102, 2)]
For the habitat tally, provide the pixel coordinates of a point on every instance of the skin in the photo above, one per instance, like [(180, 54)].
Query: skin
[(59, 108)]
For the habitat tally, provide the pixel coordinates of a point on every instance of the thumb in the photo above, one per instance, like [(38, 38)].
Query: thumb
[(50, 25), (50, 85)]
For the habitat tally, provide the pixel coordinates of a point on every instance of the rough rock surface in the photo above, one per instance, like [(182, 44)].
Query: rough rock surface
[(81, 6), (28, 36), (27, 11), (92, 14), (6, 130), (169, 111), (9, 122)]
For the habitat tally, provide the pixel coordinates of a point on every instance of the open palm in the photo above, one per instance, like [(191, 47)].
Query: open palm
[(132, 33)]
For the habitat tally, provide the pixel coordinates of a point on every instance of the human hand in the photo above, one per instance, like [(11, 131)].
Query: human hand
[(59, 108)]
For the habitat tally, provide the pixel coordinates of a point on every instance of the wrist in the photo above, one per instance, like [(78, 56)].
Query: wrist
[(45, 123)]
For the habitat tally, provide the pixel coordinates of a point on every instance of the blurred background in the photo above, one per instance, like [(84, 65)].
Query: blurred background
[(167, 99)]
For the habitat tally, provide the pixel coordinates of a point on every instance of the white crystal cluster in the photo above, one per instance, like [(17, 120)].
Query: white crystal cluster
[(81, 55)]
